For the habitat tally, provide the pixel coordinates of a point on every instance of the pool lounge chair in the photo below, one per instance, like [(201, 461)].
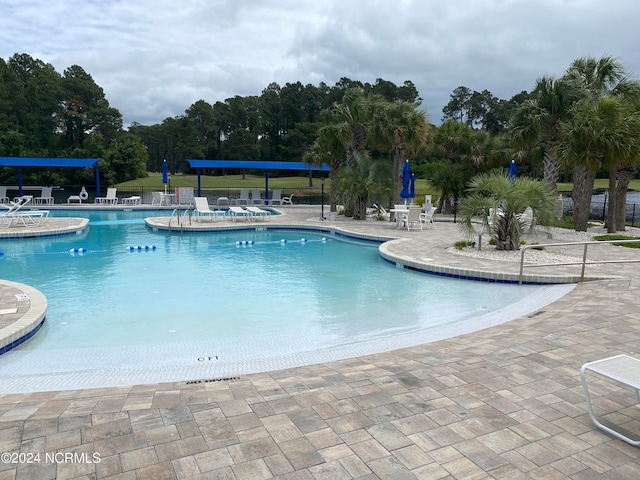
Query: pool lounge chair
[(257, 212), (3, 195), (276, 198), (45, 197), (287, 200), (244, 198), (239, 212), (202, 210), (13, 213), (256, 198), (110, 199)]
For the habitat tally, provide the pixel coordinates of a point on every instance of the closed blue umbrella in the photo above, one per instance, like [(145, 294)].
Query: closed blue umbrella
[(165, 175), (406, 180), (512, 170)]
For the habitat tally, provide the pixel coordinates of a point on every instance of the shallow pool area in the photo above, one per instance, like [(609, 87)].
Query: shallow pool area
[(205, 305)]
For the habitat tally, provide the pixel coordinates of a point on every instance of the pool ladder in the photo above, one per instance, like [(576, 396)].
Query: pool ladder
[(180, 214)]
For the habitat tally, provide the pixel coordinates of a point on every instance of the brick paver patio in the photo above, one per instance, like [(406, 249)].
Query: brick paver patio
[(505, 402)]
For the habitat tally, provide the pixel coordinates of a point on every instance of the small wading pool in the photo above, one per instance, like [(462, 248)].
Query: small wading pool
[(200, 305)]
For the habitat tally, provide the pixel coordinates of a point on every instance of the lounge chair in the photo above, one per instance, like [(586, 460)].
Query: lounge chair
[(45, 197), (276, 198), (3, 195), (203, 210), (287, 200), (236, 212), (13, 213), (244, 197), (110, 199), (412, 219), (379, 211), (257, 212), (256, 198)]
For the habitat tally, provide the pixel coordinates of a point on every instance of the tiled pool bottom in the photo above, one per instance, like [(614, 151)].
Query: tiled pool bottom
[(96, 367)]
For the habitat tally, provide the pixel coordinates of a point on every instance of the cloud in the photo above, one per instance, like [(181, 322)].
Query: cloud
[(155, 58)]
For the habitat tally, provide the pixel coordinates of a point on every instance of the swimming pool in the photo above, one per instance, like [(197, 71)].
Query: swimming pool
[(208, 304)]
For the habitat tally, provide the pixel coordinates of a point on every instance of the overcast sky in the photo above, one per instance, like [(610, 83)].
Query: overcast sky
[(155, 58)]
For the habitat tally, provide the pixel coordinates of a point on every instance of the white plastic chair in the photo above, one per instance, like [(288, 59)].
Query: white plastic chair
[(287, 200), (412, 219), (202, 209), (427, 216), (276, 198), (3, 195), (257, 212), (239, 212), (110, 198), (256, 198), (45, 197)]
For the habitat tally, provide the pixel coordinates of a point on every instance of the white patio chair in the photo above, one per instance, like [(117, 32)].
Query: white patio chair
[(256, 198), (257, 212), (110, 199), (412, 219), (276, 198), (239, 212), (287, 200), (3, 195), (45, 197), (202, 209), (427, 216)]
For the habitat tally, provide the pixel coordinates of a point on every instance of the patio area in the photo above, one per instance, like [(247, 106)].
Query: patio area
[(505, 402)]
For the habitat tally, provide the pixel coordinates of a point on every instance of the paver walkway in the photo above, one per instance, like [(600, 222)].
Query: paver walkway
[(505, 402)]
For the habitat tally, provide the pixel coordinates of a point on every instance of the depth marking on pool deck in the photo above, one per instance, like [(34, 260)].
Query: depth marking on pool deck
[(210, 380), (207, 358)]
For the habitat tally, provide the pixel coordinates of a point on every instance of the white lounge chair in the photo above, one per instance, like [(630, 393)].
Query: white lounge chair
[(256, 198), (13, 214), (412, 219), (276, 198), (257, 212), (244, 197), (3, 195), (239, 212), (379, 211), (110, 199), (203, 210), (45, 197)]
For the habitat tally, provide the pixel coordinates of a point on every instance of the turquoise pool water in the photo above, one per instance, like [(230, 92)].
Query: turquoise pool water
[(205, 285), (273, 295)]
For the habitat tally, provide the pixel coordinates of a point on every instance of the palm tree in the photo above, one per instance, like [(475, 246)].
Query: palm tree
[(365, 180), (538, 118), (403, 129), (508, 199), (600, 133), (600, 78)]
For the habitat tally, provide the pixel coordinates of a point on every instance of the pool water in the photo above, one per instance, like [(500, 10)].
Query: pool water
[(269, 291)]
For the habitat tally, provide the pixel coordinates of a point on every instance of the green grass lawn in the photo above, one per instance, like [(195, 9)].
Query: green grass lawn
[(154, 180), (600, 183)]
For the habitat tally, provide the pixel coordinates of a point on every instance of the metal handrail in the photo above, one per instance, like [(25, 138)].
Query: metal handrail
[(584, 261)]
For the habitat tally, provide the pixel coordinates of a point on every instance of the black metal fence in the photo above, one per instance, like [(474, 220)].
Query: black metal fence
[(301, 195)]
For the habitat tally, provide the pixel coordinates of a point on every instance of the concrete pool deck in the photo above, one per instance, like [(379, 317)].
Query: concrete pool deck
[(505, 402)]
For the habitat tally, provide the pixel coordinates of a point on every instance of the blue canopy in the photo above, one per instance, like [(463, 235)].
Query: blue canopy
[(265, 165), (20, 162)]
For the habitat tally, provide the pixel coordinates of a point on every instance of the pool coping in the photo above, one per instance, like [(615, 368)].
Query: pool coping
[(30, 313)]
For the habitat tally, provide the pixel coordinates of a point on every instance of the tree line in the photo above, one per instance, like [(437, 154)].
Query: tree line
[(578, 126)]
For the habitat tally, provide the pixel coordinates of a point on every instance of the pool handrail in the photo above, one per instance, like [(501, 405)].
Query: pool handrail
[(584, 262)]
